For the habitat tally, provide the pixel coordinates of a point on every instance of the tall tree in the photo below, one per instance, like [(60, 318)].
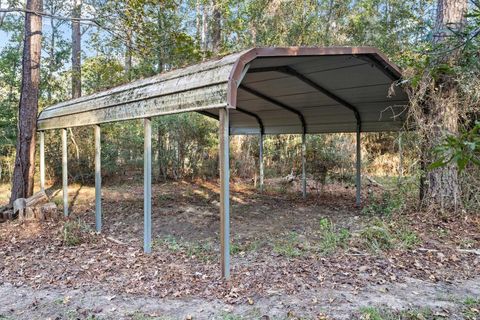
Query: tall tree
[(76, 49), (25, 154), (216, 27), (56, 49), (442, 112)]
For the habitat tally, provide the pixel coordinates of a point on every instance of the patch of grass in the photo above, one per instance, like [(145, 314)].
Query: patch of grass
[(288, 246), (138, 315), (75, 232), (172, 244), (372, 313), (238, 247), (380, 235), (202, 250), (235, 248), (254, 313), (467, 243), (164, 197), (58, 201), (331, 237), (72, 315), (407, 238), (471, 308), (377, 237), (75, 315), (385, 206), (442, 233), (231, 316)]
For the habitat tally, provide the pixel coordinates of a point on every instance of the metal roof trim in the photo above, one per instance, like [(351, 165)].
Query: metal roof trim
[(254, 53)]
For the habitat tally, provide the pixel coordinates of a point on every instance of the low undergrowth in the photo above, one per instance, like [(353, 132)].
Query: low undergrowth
[(471, 308), (199, 250), (75, 232), (327, 239), (385, 205), (289, 246), (332, 237), (373, 313), (382, 234)]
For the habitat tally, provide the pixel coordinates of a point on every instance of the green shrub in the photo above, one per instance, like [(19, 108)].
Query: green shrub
[(202, 251), (75, 232), (199, 250), (377, 237), (288, 246), (380, 235), (385, 206), (237, 246), (172, 243), (408, 239), (372, 313), (331, 237), (471, 308)]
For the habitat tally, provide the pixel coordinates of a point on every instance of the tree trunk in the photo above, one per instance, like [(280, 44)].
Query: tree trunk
[(162, 175), (216, 28), (197, 21), (76, 50), (51, 63), (128, 54), (450, 17), (22, 181), (203, 34), (443, 187)]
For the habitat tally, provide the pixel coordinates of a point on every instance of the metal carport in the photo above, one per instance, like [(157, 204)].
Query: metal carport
[(259, 91)]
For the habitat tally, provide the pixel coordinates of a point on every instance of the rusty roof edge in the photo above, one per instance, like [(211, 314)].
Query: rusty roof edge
[(260, 52)]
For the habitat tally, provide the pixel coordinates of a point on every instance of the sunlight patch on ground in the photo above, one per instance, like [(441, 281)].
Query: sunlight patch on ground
[(4, 193)]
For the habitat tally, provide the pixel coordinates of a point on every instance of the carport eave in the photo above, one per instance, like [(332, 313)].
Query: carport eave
[(220, 90), (377, 57)]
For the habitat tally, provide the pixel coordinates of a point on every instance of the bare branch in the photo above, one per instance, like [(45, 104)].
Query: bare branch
[(48, 15)]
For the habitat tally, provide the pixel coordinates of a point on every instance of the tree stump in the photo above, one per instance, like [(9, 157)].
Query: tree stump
[(36, 207)]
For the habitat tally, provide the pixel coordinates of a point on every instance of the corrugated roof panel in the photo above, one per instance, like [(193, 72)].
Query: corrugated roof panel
[(341, 79)]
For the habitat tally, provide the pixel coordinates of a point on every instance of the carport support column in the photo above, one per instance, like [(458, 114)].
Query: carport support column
[(358, 180), (304, 170), (64, 172), (42, 160), (147, 187), (98, 181), (224, 193), (260, 161)]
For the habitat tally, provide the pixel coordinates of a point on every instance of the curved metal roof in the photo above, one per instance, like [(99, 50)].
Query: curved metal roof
[(274, 90)]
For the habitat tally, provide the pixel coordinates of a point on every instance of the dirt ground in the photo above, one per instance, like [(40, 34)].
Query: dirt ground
[(291, 258)]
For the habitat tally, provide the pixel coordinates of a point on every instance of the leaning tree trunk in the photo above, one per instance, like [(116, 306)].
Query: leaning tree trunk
[(22, 182), (443, 109)]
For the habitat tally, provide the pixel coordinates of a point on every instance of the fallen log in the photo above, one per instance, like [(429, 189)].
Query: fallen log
[(35, 207), (116, 241), (374, 182), (37, 199), (474, 251)]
